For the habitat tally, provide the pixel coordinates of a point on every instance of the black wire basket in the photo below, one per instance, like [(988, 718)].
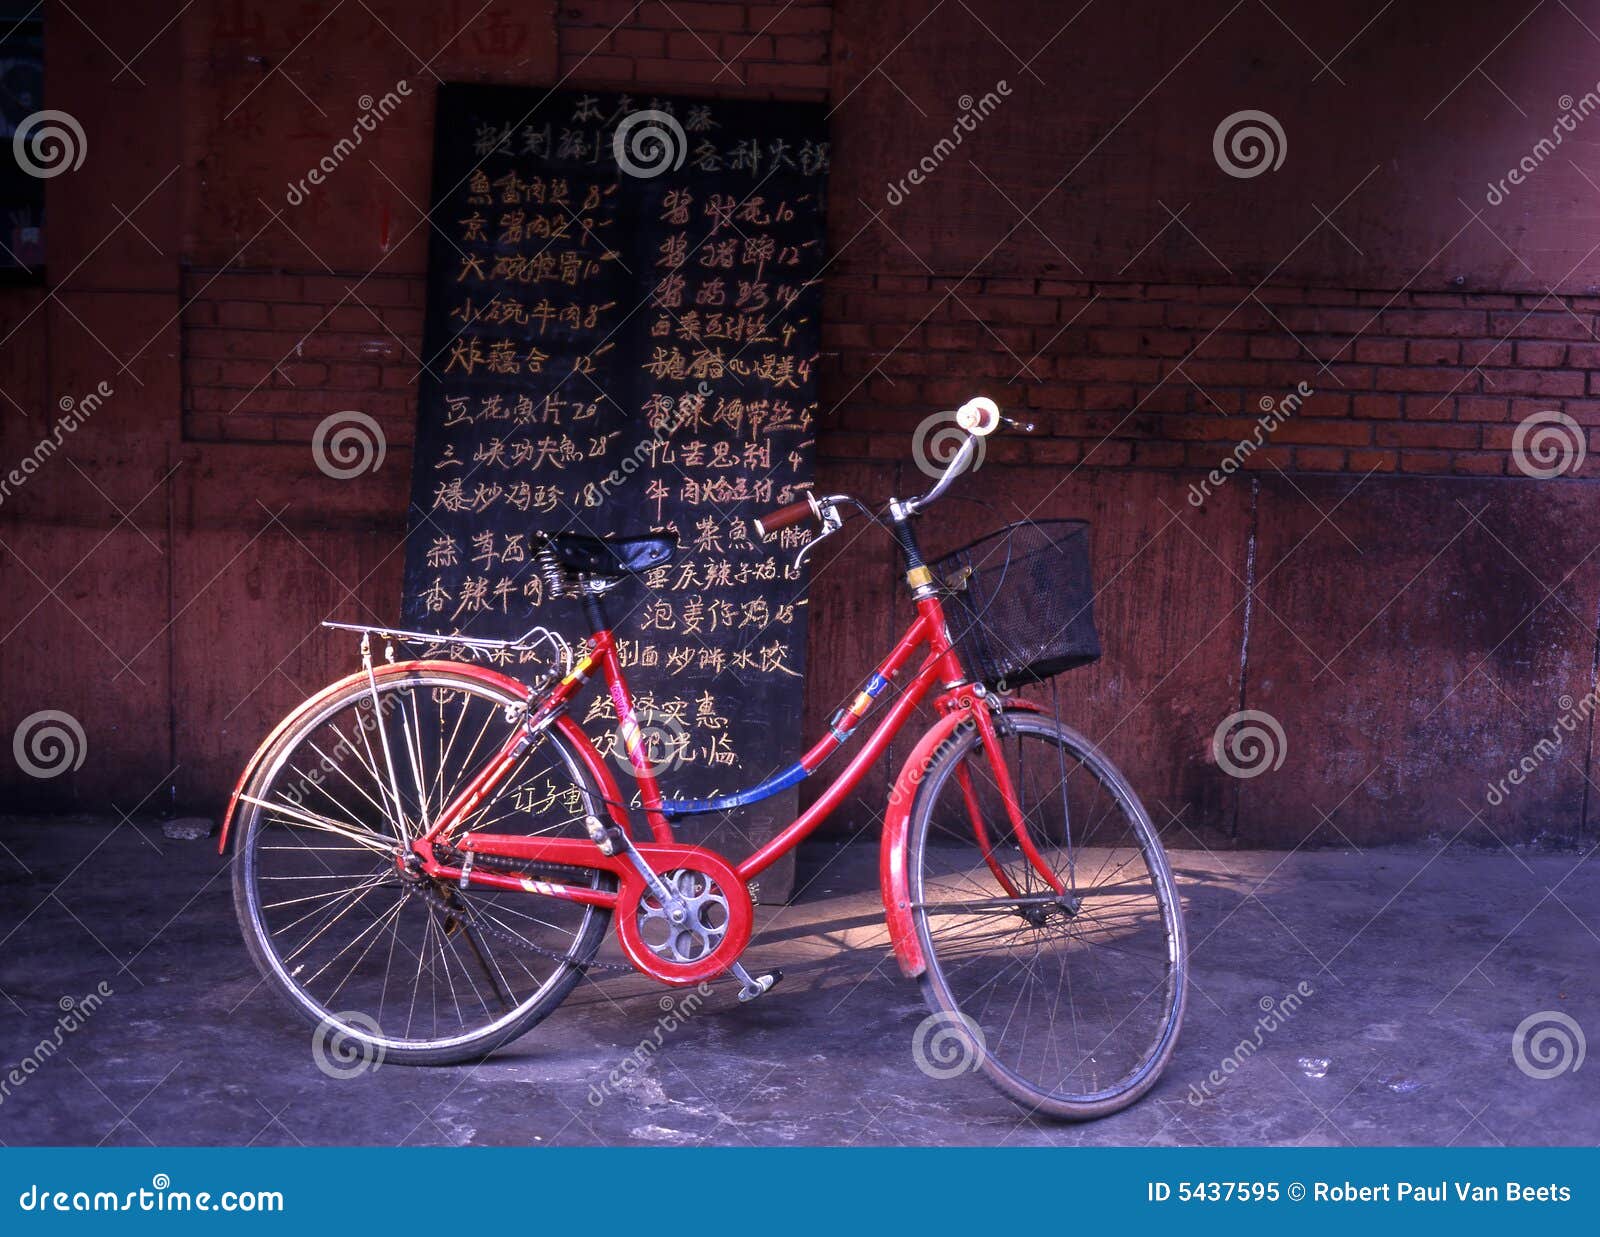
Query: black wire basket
[(1021, 602)]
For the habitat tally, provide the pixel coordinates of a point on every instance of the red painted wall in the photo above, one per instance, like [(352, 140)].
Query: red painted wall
[(1406, 604)]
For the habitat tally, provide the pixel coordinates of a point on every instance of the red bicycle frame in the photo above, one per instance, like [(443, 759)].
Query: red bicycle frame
[(958, 699), (927, 630), (940, 673)]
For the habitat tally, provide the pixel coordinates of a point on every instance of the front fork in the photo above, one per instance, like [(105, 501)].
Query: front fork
[(992, 748)]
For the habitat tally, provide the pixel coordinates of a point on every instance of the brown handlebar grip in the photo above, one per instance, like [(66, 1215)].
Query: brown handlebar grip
[(783, 517)]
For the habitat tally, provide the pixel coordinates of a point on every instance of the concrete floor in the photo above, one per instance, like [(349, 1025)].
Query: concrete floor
[(1421, 966)]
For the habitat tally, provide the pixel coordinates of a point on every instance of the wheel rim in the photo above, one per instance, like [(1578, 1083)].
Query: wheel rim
[(1072, 998), (391, 959)]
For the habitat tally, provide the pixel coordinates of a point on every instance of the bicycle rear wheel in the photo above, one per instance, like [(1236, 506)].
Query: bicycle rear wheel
[(403, 967), (1061, 973)]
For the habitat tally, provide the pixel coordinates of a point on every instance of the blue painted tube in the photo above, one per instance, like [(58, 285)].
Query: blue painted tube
[(763, 790), (778, 781)]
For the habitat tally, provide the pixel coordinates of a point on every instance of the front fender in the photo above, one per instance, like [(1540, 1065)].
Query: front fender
[(385, 671), (894, 857)]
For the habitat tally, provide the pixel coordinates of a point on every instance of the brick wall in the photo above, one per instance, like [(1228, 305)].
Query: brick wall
[(1396, 589), (268, 355), (1111, 375), (752, 50), (1172, 376)]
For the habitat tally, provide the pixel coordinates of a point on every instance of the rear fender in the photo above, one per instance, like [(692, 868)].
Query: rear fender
[(389, 670)]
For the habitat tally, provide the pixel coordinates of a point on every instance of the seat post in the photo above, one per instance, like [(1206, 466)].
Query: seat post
[(593, 610)]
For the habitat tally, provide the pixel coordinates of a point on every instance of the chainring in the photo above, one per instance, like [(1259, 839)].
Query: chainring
[(704, 923), (715, 926)]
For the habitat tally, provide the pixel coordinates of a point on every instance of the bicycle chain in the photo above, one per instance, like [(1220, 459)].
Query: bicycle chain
[(480, 923)]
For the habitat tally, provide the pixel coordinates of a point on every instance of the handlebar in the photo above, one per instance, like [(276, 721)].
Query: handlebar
[(979, 417), (783, 517)]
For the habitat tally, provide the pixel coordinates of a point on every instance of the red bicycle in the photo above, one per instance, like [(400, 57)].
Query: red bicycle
[(429, 852)]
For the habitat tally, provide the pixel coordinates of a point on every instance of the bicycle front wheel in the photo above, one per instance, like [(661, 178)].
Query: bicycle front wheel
[(390, 964), (1057, 955)]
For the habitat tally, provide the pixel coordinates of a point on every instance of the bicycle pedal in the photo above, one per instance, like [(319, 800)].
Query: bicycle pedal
[(752, 986)]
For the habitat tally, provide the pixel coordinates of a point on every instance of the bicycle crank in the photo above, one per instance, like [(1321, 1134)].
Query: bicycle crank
[(693, 924), (691, 902)]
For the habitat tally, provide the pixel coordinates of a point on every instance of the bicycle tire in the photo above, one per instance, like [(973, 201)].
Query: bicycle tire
[(950, 994)]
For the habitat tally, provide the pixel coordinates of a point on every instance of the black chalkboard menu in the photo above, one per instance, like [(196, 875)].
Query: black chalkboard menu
[(621, 336), (42, 144)]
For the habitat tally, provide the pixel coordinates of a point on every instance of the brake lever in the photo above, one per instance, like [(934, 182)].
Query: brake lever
[(832, 522)]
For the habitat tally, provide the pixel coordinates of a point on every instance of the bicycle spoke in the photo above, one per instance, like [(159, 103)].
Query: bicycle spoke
[(312, 820), (350, 927), (1073, 994)]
